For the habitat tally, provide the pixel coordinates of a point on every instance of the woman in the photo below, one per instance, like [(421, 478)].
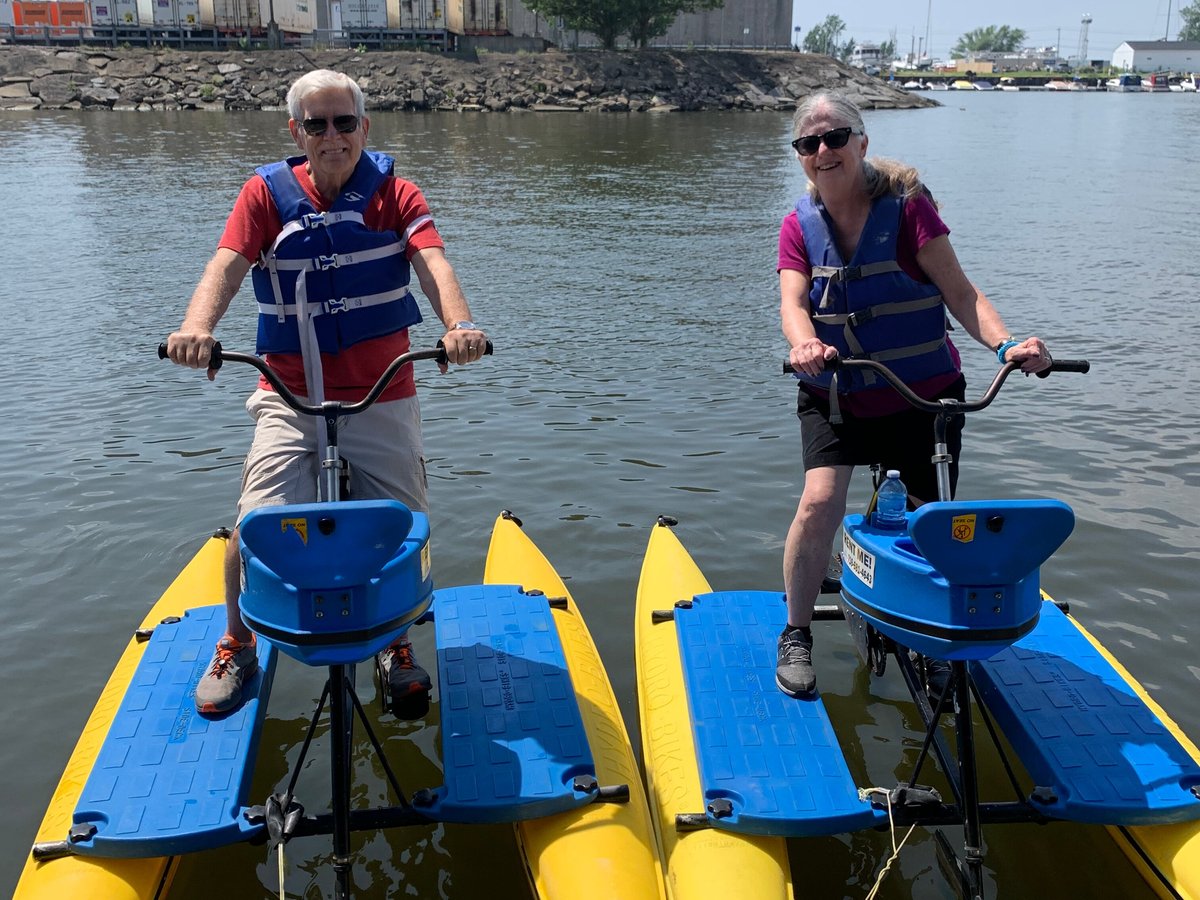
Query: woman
[(865, 239)]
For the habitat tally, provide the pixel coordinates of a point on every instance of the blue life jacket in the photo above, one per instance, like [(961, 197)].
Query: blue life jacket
[(354, 279), (871, 308)]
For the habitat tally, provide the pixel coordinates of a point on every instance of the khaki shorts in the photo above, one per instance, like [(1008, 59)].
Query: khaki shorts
[(382, 445)]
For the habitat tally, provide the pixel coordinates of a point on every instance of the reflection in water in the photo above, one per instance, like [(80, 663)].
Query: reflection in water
[(624, 266)]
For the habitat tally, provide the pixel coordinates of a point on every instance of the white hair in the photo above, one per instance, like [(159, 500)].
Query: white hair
[(320, 80)]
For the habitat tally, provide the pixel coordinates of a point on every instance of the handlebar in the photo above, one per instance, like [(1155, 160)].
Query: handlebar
[(1081, 366), (219, 356)]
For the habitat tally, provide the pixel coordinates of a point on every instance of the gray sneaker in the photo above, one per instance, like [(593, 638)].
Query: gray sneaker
[(794, 671), (220, 688)]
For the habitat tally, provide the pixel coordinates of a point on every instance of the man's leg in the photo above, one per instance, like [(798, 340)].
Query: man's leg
[(387, 462), (280, 468)]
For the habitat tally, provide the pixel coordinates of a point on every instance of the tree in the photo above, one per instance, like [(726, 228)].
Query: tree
[(652, 18), (992, 38), (887, 51), (1191, 23), (606, 19), (824, 38)]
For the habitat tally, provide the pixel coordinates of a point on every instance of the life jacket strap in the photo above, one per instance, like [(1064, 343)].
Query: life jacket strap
[(334, 306), (314, 220), (330, 261), (842, 274)]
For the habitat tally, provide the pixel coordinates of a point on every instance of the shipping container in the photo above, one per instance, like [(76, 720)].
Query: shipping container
[(476, 17), (32, 16), (360, 14), (176, 13), (122, 13), (292, 16), (236, 16), (74, 14), (417, 13)]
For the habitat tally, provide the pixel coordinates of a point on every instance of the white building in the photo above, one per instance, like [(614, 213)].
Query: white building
[(1157, 56)]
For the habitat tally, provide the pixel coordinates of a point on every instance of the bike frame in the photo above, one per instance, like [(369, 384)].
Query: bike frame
[(960, 767)]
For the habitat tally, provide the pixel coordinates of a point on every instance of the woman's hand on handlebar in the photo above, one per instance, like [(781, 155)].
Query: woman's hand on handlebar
[(1031, 354), (810, 355), (192, 349), (463, 345)]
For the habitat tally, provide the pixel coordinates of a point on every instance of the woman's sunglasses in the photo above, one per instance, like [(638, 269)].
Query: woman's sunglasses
[(343, 125), (834, 139)]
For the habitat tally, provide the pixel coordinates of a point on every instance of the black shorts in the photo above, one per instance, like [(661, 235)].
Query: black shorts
[(902, 440)]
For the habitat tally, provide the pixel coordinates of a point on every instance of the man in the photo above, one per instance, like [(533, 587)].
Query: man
[(333, 235)]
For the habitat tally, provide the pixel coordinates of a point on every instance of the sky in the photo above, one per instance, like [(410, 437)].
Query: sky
[(1047, 23)]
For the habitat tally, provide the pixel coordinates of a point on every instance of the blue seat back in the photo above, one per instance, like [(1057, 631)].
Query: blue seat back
[(987, 542), (334, 583)]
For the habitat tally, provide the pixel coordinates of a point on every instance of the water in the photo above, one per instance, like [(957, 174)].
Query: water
[(624, 267)]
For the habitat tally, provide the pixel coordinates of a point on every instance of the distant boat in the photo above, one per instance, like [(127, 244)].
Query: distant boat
[(1156, 83), (915, 86), (1124, 84), (1007, 84), (983, 86), (1058, 85), (1189, 83), (961, 85)]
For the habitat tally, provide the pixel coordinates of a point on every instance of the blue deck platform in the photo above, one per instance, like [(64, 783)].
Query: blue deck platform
[(775, 760), (168, 780), (1081, 730), (512, 734)]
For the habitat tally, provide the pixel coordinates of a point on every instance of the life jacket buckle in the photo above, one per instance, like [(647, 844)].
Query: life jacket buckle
[(312, 220), (327, 262), (850, 273), (336, 305), (860, 317)]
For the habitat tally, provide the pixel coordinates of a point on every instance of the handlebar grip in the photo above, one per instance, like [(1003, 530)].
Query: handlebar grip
[(1082, 366), (441, 357), (214, 360)]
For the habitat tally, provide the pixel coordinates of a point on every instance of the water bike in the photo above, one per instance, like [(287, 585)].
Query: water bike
[(529, 726), (738, 768)]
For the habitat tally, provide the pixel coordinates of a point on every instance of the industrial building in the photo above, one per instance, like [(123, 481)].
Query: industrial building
[(739, 24)]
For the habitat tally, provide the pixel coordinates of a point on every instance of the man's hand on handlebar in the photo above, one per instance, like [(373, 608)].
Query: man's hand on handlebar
[(463, 345), (810, 356), (1031, 354), (192, 349)]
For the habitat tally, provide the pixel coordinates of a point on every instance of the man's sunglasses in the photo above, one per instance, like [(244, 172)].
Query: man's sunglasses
[(834, 139), (343, 125)]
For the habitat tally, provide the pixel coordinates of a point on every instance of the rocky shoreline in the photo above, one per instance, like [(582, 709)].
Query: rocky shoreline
[(640, 81)]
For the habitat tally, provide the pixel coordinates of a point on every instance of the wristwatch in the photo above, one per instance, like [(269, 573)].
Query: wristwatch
[(465, 326)]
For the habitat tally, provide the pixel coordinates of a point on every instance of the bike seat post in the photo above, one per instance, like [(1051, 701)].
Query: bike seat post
[(332, 465), (941, 458)]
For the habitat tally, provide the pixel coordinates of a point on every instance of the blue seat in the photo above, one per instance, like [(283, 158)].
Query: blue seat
[(334, 583), (962, 582)]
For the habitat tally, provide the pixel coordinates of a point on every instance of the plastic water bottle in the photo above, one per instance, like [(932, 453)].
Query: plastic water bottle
[(891, 503)]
